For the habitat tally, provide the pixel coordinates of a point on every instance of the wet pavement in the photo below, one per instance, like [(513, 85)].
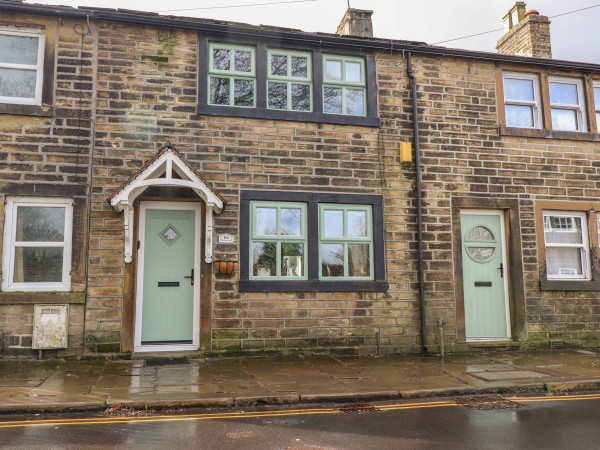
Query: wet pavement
[(45, 386)]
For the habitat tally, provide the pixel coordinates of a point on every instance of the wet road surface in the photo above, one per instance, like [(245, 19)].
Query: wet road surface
[(468, 422)]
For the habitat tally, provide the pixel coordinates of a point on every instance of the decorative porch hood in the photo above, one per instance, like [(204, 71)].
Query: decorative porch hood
[(167, 168)]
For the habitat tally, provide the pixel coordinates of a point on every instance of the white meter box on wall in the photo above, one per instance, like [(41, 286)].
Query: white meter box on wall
[(50, 325)]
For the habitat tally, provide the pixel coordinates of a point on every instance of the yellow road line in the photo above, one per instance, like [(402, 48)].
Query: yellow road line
[(256, 414)]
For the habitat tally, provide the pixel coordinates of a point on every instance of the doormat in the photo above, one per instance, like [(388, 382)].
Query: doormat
[(503, 375), (166, 361)]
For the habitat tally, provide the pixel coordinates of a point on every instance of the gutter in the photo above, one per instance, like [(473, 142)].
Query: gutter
[(413, 83), (236, 30)]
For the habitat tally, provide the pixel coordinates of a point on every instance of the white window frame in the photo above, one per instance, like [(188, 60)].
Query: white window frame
[(579, 108), (597, 104), (10, 244), (584, 245), (535, 104), (39, 67)]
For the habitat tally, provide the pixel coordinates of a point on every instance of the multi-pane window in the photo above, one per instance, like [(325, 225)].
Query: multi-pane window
[(278, 240), (231, 75), (344, 85), (567, 249), (289, 78), (522, 100), (21, 63), (567, 104), (597, 104), (37, 244), (345, 242)]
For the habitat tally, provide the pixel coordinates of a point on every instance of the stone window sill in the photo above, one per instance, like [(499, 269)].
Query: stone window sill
[(570, 285), (13, 298), (26, 110), (548, 134)]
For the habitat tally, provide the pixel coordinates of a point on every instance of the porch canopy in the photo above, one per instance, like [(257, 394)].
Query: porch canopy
[(167, 169)]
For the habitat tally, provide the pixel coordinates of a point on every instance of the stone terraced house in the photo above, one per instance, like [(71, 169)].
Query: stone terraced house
[(178, 184)]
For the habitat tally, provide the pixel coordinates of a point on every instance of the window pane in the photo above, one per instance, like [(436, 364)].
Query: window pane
[(563, 93), (17, 83), (355, 102), (277, 95), (219, 91), (597, 97), (357, 224), (562, 230), (519, 116), (299, 66), (38, 264), (564, 119), (290, 222), (264, 256), (300, 97), (517, 89), (292, 259), (334, 70), (221, 59), (332, 260), (279, 65), (40, 224), (563, 261), (243, 92), (266, 221), (353, 72), (334, 223), (243, 61), (332, 100), (19, 49), (358, 260)]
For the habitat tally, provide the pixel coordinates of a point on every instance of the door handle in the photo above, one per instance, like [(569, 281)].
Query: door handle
[(191, 277), (501, 269)]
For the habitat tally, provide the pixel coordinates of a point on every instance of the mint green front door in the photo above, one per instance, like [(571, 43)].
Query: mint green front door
[(483, 276), (168, 291)]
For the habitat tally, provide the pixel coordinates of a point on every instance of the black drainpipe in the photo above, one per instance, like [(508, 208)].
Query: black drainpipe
[(413, 83)]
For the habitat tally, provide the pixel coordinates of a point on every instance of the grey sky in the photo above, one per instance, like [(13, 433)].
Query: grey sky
[(575, 37)]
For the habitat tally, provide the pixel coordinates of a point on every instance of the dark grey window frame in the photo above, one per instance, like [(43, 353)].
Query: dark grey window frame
[(313, 284), (261, 111)]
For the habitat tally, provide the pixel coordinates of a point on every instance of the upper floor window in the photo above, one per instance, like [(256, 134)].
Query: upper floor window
[(522, 100), (299, 83), (37, 244), (567, 104), (289, 81), (21, 66), (232, 75)]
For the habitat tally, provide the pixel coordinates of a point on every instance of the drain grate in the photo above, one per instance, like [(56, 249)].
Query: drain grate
[(358, 407), (487, 402), (556, 345), (275, 423), (166, 361), (240, 434)]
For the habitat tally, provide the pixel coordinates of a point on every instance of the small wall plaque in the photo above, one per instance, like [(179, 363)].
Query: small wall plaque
[(225, 239)]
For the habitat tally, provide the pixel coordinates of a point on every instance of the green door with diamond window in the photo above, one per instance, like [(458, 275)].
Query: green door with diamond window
[(484, 275), (168, 290)]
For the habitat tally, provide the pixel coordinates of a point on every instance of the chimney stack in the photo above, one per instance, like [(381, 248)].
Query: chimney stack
[(525, 33), (356, 22)]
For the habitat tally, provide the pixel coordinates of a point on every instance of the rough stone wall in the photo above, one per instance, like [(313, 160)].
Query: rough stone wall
[(48, 155), (464, 156), (147, 95)]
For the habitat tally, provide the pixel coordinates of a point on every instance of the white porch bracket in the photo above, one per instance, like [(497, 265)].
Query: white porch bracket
[(167, 169)]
